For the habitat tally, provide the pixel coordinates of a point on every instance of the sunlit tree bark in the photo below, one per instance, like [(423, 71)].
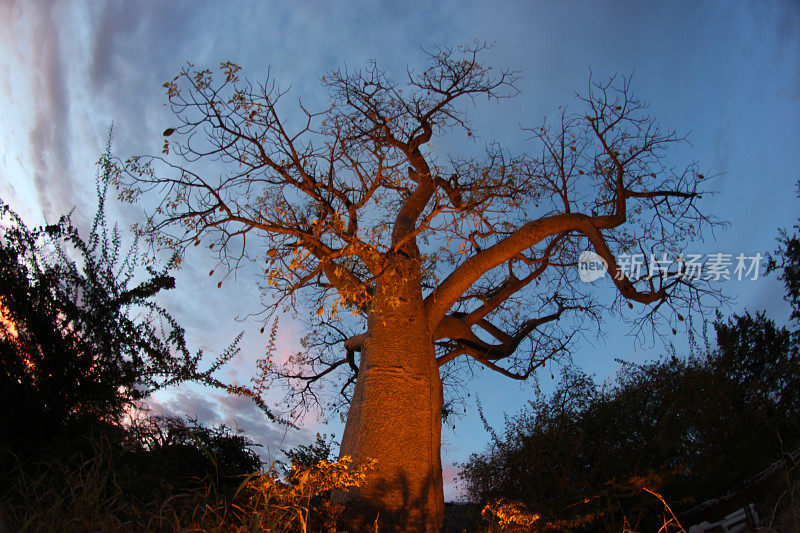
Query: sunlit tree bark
[(413, 261)]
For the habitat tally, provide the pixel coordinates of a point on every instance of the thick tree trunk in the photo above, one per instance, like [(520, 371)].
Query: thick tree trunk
[(396, 413)]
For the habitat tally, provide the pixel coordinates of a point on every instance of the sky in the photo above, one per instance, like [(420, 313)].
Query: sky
[(726, 73)]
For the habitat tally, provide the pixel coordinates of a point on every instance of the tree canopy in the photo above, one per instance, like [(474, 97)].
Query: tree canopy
[(327, 200)]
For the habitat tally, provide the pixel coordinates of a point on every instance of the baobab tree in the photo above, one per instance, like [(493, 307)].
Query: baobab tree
[(415, 259)]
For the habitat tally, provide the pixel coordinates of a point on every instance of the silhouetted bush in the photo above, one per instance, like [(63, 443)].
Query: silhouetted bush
[(82, 338)]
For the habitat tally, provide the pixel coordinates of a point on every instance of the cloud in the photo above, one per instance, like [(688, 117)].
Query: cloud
[(49, 137), (450, 473), (273, 437), (238, 413), (184, 403)]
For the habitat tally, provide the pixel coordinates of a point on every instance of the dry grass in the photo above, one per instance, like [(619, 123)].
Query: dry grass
[(88, 496)]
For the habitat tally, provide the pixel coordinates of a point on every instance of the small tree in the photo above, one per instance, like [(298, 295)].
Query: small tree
[(308, 455), (81, 341), (410, 259)]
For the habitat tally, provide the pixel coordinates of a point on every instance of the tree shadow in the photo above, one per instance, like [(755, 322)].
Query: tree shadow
[(403, 509)]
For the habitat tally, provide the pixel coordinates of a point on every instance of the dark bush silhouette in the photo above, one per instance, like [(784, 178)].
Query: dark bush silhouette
[(82, 338), (176, 449), (689, 428)]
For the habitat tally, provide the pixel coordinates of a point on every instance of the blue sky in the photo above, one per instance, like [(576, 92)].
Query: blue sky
[(728, 73)]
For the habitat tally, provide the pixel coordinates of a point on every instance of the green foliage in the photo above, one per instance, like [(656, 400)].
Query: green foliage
[(308, 455), (688, 428)]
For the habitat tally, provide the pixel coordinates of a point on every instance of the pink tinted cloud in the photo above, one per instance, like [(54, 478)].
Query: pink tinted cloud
[(450, 477)]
